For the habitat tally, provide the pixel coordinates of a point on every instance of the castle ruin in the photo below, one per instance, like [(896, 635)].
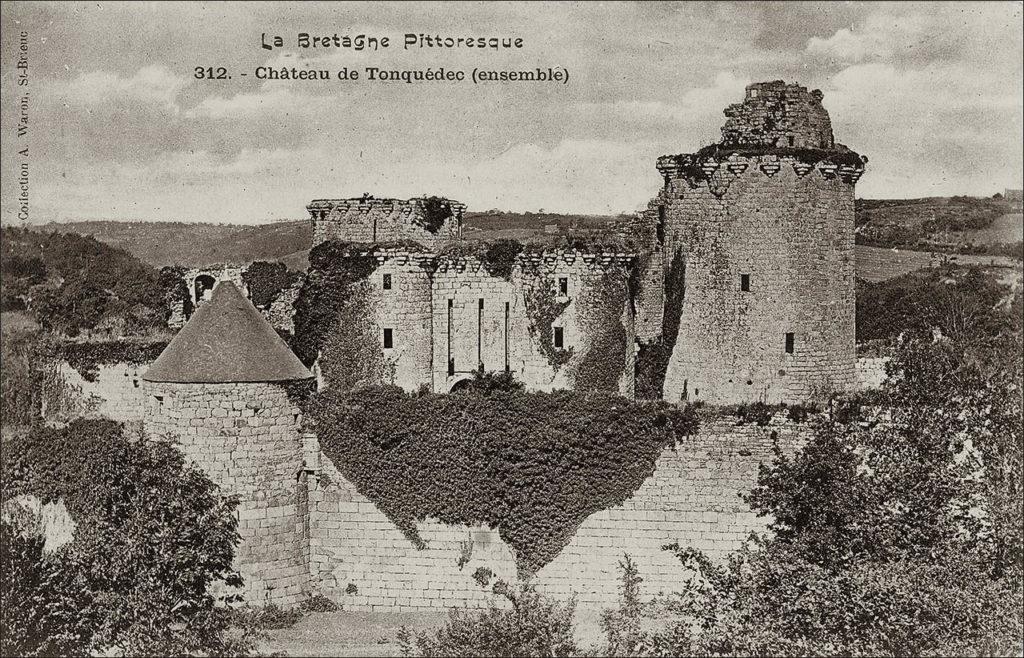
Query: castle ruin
[(735, 285)]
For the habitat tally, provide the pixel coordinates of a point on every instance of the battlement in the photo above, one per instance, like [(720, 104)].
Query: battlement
[(429, 221), (724, 162), (473, 262), (776, 114)]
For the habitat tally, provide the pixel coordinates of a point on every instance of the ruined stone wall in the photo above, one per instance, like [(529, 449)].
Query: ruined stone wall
[(281, 312), (115, 392), (483, 319), (246, 438), (787, 226), (362, 561), (380, 220), (776, 114)]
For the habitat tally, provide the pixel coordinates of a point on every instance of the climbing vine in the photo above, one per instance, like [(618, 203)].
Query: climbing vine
[(332, 317), (500, 258), (265, 281), (543, 308), (87, 356), (531, 465), (653, 357), (599, 310), (436, 211)]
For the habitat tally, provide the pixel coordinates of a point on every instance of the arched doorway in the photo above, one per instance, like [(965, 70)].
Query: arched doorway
[(460, 383), (202, 288)]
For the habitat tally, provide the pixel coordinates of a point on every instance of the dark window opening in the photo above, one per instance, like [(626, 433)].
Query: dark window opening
[(506, 337), (451, 361), (159, 398), (660, 228), (559, 337), (387, 282), (790, 340), (388, 339), (745, 282), (563, 286), (480, 335), (790, 140)]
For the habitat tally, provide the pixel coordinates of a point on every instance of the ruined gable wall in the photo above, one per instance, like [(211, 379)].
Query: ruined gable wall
[(775, 114), (246, 438), (792, 233)]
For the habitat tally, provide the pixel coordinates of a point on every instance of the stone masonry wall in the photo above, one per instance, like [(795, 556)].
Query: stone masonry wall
[(776, 114), (362, 561), (116, 393), (499, 331), (379, 220), (788, 226), (246, 438)]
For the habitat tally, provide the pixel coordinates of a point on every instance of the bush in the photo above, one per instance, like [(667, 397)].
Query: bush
[(45, 612), (152, 536), (533, 626), (531, 465)]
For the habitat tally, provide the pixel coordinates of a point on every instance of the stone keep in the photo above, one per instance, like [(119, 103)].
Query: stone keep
[(761, 229), (218, 391)]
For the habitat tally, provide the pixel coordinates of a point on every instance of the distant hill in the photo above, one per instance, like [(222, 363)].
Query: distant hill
[(943, 224), (194, 245), (178, 243), (958, 224)]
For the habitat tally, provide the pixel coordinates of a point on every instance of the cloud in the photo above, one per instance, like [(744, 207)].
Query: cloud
[(155, 84)]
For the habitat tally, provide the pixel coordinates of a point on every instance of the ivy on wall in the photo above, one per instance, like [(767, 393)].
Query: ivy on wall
[(690, 165), (653, 357), (531, 465), (542, 309), (333, 318), (599, 309), (87, 357), (176, 294), (265, 281), (436, 211), (500, 258)]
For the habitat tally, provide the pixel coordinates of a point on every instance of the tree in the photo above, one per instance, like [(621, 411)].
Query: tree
[(152, 537), (896, 530)]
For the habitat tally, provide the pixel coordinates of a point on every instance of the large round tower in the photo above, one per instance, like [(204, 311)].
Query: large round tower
[(219, 391), (756, 236)]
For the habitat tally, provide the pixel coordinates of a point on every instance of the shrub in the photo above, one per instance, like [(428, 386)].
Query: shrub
[(152, 536), (533, 626), (45, 612)]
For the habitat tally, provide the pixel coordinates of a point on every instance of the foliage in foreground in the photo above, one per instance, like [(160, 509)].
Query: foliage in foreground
[(534, 625), (897, 530), (152, 537)]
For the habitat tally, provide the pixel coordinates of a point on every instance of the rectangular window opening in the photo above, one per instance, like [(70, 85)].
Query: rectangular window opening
[(387, 282), (660, 228), (745, 282), (563, 285), (388, 339), (790, 341), (559, 337)]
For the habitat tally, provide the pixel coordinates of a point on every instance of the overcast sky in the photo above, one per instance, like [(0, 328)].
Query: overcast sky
[(120, 129)]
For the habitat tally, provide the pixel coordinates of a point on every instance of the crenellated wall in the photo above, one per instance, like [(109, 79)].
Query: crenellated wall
[(369, 220), (447, 316)]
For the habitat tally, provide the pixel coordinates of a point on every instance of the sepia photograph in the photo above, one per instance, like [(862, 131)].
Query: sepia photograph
[(511, 329)]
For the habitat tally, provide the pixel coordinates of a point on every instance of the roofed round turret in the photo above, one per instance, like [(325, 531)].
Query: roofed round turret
[(227, 340)]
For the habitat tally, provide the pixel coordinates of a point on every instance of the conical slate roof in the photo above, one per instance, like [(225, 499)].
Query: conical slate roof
[(227, 340)]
